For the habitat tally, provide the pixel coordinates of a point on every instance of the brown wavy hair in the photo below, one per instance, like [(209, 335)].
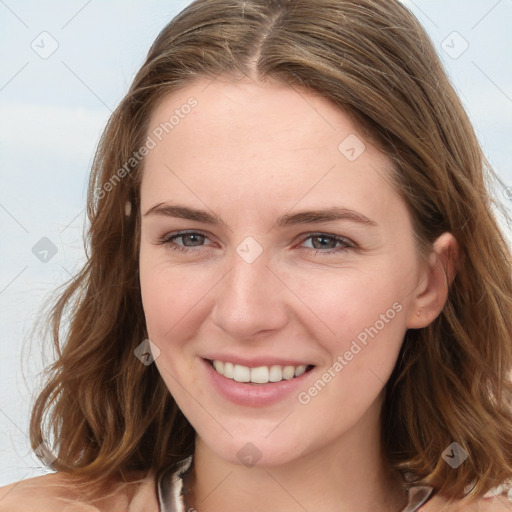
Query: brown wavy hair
[(105, 413)]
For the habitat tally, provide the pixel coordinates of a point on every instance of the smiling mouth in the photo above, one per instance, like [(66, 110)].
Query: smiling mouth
[(260, 374)]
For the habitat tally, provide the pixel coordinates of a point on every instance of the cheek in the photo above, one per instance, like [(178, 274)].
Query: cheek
[(363, 322), (366, 317), (344, 303), (171, 301), (170, 295)]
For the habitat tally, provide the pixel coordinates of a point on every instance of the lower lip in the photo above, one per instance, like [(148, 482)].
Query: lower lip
[(254, 395)]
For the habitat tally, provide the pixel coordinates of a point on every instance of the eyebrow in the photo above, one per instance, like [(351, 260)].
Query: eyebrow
[(289, 219)]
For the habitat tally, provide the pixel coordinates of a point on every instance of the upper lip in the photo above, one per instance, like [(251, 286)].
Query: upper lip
[(255, 362)]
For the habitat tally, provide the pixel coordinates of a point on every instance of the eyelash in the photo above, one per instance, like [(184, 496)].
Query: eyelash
[(168, 240)]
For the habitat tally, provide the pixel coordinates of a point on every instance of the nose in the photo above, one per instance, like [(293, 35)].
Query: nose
[(250, 299)]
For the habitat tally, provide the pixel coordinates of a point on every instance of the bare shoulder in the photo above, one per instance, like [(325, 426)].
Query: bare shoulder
[(43, 493), (58, 492), (498, 503)]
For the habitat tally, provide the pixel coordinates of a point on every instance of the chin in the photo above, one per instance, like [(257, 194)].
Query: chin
[(256, 450)]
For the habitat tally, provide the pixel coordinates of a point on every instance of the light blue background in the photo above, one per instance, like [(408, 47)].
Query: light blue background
[(52, 112)]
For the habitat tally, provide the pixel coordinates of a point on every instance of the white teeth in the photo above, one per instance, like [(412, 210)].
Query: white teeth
[(300, 370), (276, 373), (260, 374), (242, 373), (229, 370), (219, 366), (288, 372)]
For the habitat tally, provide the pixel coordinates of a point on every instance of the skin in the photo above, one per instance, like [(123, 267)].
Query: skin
[(249, 153)]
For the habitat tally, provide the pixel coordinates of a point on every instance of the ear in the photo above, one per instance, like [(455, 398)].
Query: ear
[(432, 290)]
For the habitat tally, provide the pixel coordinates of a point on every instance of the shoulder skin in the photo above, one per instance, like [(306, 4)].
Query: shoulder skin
[(57, 492)]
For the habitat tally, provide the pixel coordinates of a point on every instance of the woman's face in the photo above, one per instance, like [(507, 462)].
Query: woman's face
[(273, 242)]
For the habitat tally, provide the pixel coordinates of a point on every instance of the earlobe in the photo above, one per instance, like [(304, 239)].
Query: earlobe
[(432, 290)]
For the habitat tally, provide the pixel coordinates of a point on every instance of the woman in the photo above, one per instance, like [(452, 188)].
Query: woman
[(297, 295)]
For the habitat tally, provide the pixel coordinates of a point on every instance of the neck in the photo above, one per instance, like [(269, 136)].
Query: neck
[(344, 476)]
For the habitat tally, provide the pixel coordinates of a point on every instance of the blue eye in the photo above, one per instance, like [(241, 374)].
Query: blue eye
[(195, 239), (322, 243), (328, 242)]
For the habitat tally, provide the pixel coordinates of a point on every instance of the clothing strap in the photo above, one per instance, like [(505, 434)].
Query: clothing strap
[(170, 487), (418, 496)]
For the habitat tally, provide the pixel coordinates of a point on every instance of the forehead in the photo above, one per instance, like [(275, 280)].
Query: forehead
[(261, 141)]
